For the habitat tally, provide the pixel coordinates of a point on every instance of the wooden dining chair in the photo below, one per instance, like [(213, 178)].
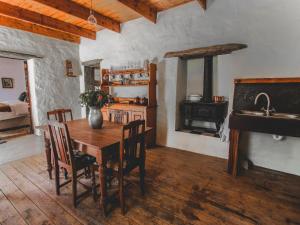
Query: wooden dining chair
[(60, 115), (69, 159), (118, 116), (131, 156)]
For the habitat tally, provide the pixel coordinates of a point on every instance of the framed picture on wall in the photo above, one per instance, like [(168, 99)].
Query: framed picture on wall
[(7, 82)]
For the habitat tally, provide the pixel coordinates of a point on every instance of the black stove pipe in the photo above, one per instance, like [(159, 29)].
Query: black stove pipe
[(208, 79)]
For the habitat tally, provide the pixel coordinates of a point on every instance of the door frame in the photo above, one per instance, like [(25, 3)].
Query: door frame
[(27, 83)]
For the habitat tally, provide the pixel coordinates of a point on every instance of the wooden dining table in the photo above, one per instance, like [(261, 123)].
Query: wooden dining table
[(95, 142)]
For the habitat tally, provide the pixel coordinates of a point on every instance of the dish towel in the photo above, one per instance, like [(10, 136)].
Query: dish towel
[(224, 130)]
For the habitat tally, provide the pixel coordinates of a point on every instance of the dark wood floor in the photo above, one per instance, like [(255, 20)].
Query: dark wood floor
[(182, 188)]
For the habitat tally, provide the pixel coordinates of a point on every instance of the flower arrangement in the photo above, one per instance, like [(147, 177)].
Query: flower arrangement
[(93, 98)]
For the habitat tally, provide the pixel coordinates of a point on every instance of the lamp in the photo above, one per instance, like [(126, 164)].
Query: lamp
[(92, 19)]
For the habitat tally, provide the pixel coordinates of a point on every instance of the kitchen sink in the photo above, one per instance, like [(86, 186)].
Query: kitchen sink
[(285, 124), (250, 113), (273, 114), (285, 115)]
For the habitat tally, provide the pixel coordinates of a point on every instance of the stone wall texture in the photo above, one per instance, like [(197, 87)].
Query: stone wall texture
[(50, 88), (269, 28)]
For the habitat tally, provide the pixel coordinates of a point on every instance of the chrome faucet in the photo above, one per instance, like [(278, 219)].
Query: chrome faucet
[(268, 99)]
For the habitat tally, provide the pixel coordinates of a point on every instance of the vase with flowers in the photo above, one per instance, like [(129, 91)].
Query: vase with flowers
[(95, 100)]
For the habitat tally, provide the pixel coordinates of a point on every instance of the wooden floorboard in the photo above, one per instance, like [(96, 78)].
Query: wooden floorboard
[(181, 188), (9, 215), (56, 213), (24, 206)]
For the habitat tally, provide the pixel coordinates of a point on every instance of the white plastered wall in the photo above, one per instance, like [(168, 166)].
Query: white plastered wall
[(269, 28)]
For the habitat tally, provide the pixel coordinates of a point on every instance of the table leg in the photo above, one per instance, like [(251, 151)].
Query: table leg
[(233, 152), (48, 155), (102, 168)]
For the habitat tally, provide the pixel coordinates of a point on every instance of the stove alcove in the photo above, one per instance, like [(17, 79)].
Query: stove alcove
[(205, 110)]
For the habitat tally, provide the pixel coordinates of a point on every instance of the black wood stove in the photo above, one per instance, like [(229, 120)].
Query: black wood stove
[(205, 110)]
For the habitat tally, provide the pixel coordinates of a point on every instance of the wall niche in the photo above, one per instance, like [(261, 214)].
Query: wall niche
[(190, 81), (195, 111)]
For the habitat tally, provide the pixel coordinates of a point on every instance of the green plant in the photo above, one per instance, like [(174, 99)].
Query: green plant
[(93, 98)]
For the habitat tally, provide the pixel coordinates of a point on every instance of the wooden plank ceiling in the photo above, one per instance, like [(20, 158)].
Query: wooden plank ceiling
[(67, 19)]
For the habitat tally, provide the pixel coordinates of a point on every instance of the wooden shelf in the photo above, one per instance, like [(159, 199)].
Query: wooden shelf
[(267, 80), (129, 71), (150, 83), (125, 85), (120, 106), (134, 112), (206, 51)]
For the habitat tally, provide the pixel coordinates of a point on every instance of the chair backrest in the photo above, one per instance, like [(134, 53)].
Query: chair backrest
[(61, 143), (132, 147), (60, 115), (118, 116)]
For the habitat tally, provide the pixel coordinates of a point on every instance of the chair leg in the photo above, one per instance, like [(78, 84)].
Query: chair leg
[(94, 188), (65, 174), (57, 180), (142, 178), (121, 193), (87, 172), (74, 188)]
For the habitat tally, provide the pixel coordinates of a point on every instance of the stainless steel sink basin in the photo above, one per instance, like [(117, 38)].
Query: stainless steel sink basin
[(251, 113), (273, 115), (285, 115)]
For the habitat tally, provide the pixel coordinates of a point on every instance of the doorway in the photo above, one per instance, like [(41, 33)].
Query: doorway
[(92, 70), (15, 99)]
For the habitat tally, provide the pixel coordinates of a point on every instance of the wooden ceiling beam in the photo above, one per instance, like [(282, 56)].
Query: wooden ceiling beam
[(81, 12), (37, 29), (145, 10), (203, 4), (36, 18)]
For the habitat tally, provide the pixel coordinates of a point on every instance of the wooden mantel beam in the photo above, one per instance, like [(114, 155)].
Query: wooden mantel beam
[(34, 28), (36, 18), (206, 51), (74, 9), (141, 8), (203, 4)]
